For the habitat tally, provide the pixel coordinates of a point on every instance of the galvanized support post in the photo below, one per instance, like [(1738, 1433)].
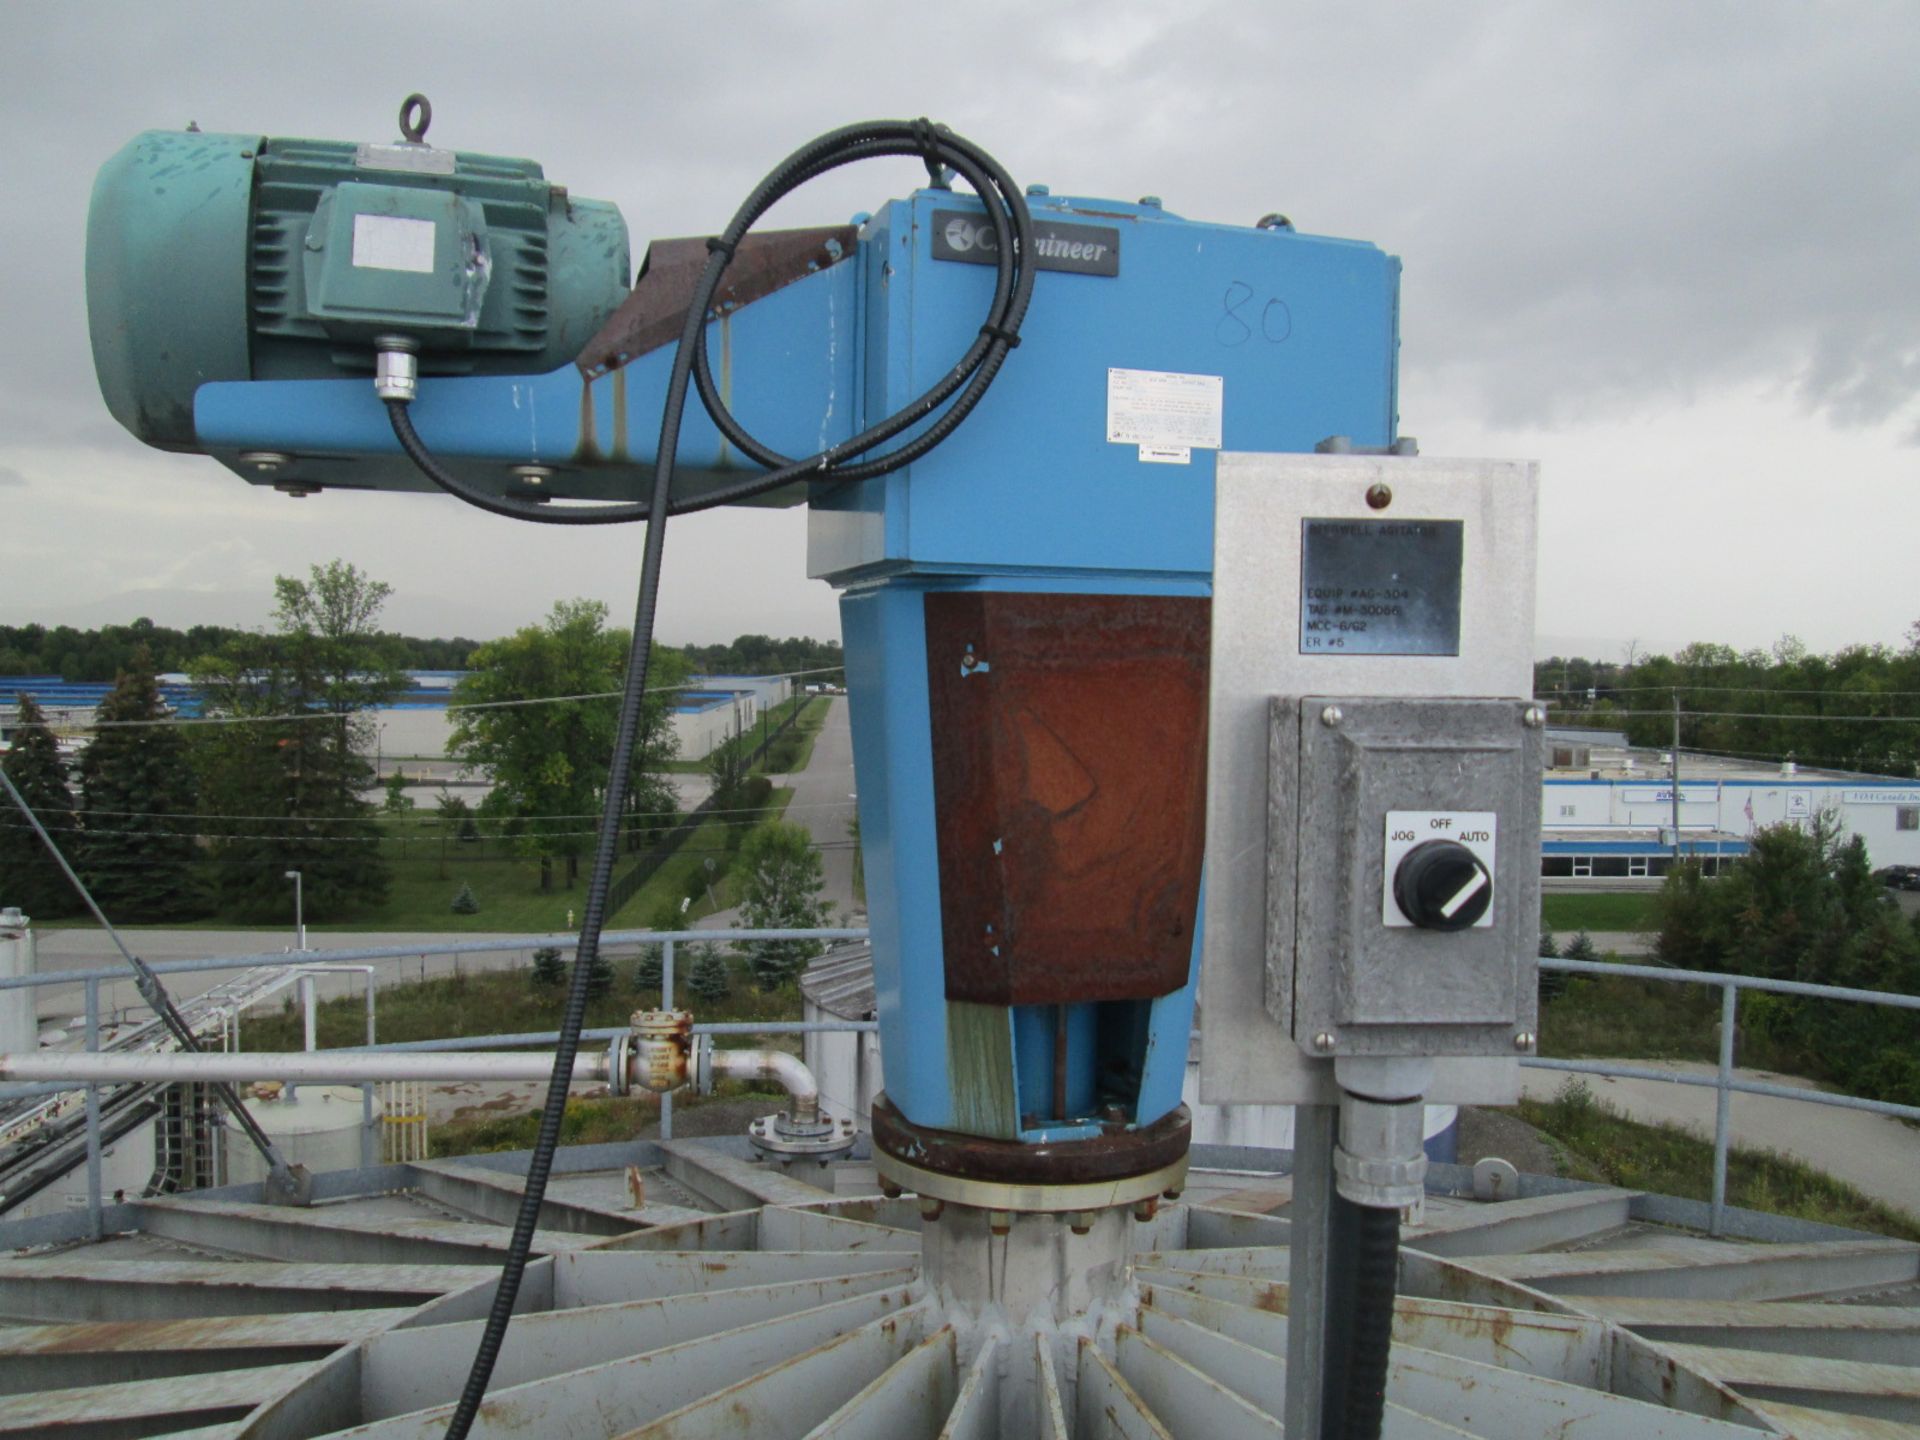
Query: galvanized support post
[(95, 1224), (1308, 1216), (368, 1154), (1723, 1105), (666, 1003)]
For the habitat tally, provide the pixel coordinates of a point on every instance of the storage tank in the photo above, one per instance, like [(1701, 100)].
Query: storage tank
[(317, 1126)]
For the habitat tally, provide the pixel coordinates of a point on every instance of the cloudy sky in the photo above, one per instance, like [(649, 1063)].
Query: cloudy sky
[(1668, 250)]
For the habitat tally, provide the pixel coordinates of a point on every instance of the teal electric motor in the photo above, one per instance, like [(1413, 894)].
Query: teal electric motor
[(238, 257)]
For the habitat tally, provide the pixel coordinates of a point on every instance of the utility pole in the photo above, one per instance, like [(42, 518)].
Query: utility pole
[(1673, 770)]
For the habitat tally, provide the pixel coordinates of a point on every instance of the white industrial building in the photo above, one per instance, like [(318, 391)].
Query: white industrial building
[(719, 707), (1607, 811)]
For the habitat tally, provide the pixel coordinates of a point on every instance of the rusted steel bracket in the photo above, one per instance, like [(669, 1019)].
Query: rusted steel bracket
[(653, 314)]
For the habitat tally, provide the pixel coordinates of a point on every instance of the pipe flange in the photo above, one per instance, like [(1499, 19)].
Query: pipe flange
[(780, 1137), (619, 1058)]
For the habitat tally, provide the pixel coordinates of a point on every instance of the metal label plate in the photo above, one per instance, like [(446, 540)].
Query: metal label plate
[(1380, 587), (1078, 249)]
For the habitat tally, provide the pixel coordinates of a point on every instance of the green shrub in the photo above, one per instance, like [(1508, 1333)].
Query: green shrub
[(465, 902), (650, 969), (708, 978), (549, 971)]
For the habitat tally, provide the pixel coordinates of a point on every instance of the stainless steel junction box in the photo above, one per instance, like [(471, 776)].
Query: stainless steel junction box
[(1373, 827)]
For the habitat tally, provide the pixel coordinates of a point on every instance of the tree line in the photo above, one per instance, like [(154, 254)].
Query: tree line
[(98, 656), (763, 655), (1855, 709), (169, 821)]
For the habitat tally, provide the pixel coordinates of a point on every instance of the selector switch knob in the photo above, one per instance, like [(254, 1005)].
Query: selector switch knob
[(1442, 885)]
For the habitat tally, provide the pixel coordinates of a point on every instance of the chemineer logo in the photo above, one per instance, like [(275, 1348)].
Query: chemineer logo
[(1080, 249)]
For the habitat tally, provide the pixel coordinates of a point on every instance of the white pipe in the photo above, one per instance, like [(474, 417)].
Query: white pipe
[(80, 1068), (789, 1070)]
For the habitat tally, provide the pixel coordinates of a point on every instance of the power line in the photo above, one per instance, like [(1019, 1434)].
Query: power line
[(382, 818)]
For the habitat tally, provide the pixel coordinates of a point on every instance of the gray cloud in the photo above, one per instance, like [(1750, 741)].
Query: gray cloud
[(1605, 212), (10, 477)]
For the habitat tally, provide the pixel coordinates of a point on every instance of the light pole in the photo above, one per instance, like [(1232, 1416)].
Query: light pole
[(299, 917)]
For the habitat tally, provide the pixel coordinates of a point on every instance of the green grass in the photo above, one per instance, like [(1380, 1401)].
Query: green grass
[(1597, 1143), (588, 1121), (1565, 913), (671, 881), (790, 754), (784, 755), (1612, 1017)]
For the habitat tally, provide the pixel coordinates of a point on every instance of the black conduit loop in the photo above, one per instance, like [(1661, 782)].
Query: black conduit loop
[(964, 385), (1363, 1261)]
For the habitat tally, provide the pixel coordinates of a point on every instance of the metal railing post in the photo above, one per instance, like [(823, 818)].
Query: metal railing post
[(94, 1221), (1723, 1105), (666, 1003), (368, 1154)]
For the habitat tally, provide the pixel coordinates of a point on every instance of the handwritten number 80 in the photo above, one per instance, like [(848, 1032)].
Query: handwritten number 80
[(1240, 321)]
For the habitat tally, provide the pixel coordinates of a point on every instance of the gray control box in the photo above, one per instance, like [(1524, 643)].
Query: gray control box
[(1404, 581), (1403, 873)]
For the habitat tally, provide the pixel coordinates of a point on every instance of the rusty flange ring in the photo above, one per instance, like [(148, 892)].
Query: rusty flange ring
[(1052, 1175)]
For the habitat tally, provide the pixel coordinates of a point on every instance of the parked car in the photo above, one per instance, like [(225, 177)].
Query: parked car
[(1899, 877)]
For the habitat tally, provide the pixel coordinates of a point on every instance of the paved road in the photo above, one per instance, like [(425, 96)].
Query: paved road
[(823, 802), (1875, 1154)]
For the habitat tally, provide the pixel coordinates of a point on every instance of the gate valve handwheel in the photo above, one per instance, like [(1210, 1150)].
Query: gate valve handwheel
[(1442, 885)]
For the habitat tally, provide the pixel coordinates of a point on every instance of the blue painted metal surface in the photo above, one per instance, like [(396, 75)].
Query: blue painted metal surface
[(785, 364), (1027, 496)]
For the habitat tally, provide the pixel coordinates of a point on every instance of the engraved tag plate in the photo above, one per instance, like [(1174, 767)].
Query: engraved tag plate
[(1380, 587)]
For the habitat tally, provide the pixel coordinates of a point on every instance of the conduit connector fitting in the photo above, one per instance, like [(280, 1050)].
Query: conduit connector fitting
[(656, 1054), (1380, 1161), (396, 368)]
